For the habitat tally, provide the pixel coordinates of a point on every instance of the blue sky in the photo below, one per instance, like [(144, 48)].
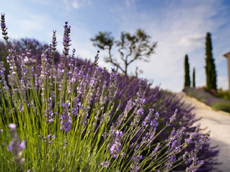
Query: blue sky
[(178, 26)]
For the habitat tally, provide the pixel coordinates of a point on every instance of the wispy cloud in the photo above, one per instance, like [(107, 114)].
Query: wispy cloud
[(193, 40), (75, 4), (26, 27)]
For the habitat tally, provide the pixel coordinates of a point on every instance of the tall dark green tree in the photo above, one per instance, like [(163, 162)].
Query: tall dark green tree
[(193, 78), (210, 68), (187, 81)]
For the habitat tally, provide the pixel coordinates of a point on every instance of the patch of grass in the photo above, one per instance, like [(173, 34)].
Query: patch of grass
[(225, 94), (224, 106)]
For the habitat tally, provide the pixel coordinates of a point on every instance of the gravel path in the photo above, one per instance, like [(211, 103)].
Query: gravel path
[(218, 123)]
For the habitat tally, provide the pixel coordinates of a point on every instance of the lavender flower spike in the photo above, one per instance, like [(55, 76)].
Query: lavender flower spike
[(66, 118), (16, 145), (4, 28), (12, 126)]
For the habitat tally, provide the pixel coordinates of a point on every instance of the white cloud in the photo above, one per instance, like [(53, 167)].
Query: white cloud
[(193, 40), (75, 4), (69, 4), (31, 23), (34, 26)]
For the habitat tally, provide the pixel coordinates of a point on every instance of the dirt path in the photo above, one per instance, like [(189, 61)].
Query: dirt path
[(218, 123)]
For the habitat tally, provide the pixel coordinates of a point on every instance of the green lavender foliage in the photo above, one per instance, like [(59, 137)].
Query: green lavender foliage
[(187, 81), (194, 78), (210, 68)]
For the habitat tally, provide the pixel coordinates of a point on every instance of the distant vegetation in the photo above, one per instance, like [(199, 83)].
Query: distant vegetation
[(225, 94), (210, 95), (217, 100)]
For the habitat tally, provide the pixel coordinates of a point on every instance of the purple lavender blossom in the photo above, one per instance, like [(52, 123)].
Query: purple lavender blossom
[(116, 146), (29, 62), (119, 133), (2, 70), (16, 145), (22, 145), (136, 161), (66, 122), (12, 126), (4, 28), (49, 112), (96, 58), (66, 39), (105, 164), (173, 117), (65, 117)]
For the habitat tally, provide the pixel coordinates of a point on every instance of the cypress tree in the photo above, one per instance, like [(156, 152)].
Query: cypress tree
[(186, 69), (193, 78), (210, 68)]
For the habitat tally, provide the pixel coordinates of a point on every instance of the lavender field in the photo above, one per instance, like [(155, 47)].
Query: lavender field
[(71, 115)]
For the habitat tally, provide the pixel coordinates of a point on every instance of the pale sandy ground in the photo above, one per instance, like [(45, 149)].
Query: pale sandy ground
[(218, 123)]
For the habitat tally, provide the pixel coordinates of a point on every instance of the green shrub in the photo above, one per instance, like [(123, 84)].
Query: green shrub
[(224, 106), (223, 94)]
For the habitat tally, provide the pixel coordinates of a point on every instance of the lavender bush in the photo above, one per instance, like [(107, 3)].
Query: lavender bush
[(74, 116)]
